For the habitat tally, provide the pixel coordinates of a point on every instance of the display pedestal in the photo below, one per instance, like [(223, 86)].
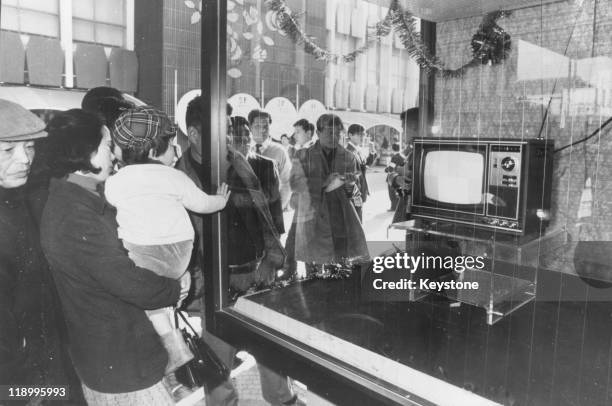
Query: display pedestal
[(509, 278)]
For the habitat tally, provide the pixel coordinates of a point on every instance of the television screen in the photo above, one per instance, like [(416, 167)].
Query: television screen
[(454, 177)]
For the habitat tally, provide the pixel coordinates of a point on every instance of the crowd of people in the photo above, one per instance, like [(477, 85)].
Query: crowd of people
[(107, 235)]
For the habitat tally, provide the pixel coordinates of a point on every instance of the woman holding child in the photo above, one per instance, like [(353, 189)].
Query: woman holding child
[(117, 352)]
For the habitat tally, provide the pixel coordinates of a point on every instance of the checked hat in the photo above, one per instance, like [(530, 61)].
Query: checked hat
[(139, 126)]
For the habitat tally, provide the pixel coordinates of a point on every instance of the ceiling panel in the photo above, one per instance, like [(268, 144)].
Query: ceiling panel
[(443, 10)]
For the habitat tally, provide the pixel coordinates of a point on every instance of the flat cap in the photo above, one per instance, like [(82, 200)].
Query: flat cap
[(18, 123)]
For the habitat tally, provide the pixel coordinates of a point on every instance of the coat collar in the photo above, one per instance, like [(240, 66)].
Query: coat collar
[(72, 191), (12, 197)]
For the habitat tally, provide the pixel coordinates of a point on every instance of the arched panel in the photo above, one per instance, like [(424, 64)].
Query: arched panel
[(90, 66), (45, 61), (12, 59), (123, 66)]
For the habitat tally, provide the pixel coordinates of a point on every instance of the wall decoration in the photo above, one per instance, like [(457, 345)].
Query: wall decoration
[(243, 22), (490, 43), (197, 10)]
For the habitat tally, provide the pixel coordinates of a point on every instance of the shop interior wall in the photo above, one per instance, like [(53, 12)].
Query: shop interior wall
[(493, 101)]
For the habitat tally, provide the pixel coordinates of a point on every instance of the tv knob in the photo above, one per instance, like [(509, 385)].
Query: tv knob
[(508, 163)]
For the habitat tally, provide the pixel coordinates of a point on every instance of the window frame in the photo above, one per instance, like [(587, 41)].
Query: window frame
[(66, 36)]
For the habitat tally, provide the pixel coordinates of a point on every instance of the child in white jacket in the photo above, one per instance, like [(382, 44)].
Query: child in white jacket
[(152, 199)]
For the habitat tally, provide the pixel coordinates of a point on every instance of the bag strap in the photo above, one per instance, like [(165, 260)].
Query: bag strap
[(177, 314)]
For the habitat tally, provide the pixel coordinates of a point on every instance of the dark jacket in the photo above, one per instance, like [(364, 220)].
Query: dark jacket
[(326, 224), (245, 218), (30, 320), (265, 170), (224, 394), (362, 163), (112, 342)]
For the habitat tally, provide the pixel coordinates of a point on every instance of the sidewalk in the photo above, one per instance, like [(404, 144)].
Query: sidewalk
[(246, 380)]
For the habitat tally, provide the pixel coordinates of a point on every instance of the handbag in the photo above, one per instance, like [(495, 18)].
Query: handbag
[(205, 369)]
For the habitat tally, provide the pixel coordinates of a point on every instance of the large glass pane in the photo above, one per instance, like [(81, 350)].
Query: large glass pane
[(110, 11), (269, 72), (31, 17), (47, 6), (83, 9), (110, 35), (507, 97), (32, 22), (10, 20), (83, 30)]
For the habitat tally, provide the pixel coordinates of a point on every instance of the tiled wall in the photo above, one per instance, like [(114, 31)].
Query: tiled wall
[(181, 52), (490, 101)]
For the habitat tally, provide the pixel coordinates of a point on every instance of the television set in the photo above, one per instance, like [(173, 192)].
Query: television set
[(502, 185)]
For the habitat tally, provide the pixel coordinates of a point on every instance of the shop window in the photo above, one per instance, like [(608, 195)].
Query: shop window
[(39, 17), (101, 22)]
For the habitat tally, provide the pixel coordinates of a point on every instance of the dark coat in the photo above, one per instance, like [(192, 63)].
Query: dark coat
[(362, 163), (247, 221), (28, 302), (326, 223), (266, 172), (224, 394), (112, 342), (399, 180)]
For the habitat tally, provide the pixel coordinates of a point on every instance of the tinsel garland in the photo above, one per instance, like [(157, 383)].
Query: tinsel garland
[(486, 43), (491, 43), (287, 21)]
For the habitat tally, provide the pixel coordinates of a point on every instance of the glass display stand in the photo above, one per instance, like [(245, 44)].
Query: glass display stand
[(509, 278)]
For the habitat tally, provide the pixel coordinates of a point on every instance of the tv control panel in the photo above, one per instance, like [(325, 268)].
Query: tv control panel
[(505, 165)]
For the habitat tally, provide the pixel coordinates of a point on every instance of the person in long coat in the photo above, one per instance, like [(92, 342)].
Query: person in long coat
[(325, 179), (32, 329)]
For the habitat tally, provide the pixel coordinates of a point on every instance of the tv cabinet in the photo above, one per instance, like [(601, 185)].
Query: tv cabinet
[(509, 278)]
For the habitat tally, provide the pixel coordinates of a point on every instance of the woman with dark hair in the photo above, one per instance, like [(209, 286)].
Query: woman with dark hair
[(115, 350)]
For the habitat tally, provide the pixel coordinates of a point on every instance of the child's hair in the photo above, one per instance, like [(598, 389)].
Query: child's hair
[(140, 155)]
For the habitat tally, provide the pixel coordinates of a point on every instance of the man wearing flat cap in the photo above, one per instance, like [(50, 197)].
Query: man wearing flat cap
[(30, 319)]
